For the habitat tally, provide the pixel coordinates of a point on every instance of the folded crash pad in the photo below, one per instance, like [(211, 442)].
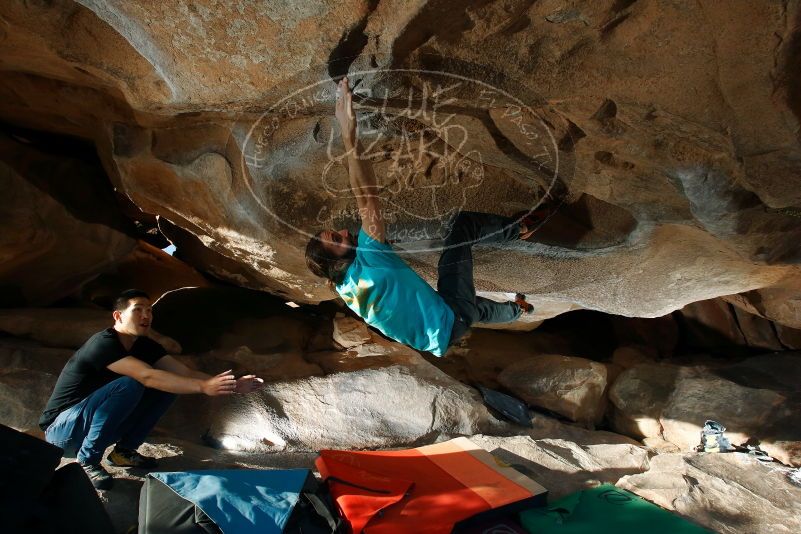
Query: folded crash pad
[(236, 501), (605, 510), (432, 489)]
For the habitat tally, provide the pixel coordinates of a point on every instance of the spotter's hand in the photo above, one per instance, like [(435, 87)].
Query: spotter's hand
[(344, 113), (248, 383), (221, 384)]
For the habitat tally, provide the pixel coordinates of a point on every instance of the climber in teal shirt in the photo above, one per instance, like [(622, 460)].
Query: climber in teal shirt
[(381, 288)]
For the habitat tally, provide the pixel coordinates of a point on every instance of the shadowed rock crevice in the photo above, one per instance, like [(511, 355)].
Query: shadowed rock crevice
[(66, 169), (790, 74), (350, 45), (586, 224), (444, 20)]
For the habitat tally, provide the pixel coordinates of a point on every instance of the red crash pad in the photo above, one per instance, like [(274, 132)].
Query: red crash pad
[(430, 489)]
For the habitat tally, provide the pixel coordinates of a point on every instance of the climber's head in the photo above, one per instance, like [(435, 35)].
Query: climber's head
[(330, 253)]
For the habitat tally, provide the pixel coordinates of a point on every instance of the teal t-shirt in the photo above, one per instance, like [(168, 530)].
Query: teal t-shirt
[(384, 291)]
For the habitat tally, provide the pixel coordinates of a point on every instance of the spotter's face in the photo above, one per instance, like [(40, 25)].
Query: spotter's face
[(134, 320)]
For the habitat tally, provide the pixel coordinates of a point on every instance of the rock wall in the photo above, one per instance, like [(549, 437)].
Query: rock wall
[(673, 125)]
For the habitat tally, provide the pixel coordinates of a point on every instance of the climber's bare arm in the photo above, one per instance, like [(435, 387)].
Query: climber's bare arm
[(360, 170)]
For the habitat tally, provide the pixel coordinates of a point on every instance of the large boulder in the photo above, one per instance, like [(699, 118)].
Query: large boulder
[(483, 354), (570, 386), (744, 411), (712, 325), (55, 327), (272, 367), (729, 493), (758, 400), (388, 404), (639, 396), (23, 395)]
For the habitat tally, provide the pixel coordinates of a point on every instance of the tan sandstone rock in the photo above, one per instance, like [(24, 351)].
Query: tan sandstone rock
[(743, 411), (729, 493), (385, 404), (681, 195), (570, 386), (55, 236), (639, 396), (563, 465), (350, 332), (55, 327), (757, 400)]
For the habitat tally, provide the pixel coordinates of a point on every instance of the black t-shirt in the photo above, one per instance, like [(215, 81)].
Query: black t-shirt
[(86, 371)]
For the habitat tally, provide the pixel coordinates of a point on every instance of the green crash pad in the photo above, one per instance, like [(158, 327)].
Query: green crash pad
[(602, 510)]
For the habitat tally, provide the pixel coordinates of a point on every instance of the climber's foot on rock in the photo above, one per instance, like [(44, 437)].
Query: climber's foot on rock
[(532, 220), (520, 300)]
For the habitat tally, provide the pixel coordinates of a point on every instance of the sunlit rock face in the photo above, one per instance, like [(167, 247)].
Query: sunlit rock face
[(674, 128)]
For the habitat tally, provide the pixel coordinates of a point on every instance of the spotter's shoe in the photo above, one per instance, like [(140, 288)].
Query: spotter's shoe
[(127, 458), (99, 477)]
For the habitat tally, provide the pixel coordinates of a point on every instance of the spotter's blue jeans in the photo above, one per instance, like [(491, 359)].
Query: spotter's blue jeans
[(122, 412)]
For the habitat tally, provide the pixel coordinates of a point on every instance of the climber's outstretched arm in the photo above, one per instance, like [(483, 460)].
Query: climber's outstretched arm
[(360, 171)]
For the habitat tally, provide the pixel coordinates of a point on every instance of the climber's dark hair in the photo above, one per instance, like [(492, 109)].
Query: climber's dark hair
[(122, 300), (324, 264)]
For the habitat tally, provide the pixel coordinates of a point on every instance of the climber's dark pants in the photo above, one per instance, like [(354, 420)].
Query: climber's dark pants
[(455, 270)]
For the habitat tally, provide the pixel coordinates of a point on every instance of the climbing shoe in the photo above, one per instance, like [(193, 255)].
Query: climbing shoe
[(520, 300), (99, 477), (532, 220), (120, 457)]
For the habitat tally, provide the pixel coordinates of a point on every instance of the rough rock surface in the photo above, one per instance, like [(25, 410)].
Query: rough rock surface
[(570, 386), (28, 373), (23, 394), (350, 332), (638, 398), (272, 367), (147, 268), (678, 194), (389, 406), (55, 327), (746, 411), (717, 325), (564, 466), (25, 354), (757, 400), (728, 493), (394, 398), (57, 235), (65, 327)]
